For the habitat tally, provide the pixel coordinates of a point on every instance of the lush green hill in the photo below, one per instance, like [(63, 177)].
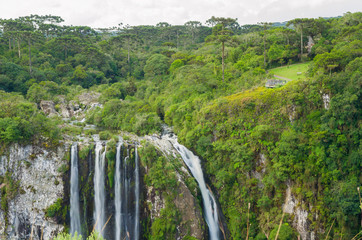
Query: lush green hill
[(207, 83), (291, 72)]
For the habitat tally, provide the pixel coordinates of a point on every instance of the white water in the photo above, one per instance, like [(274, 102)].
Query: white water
[(99, 191), (117, 192), (210, 207), (127, 196), (126, 184), (137, 195), (74, 193)]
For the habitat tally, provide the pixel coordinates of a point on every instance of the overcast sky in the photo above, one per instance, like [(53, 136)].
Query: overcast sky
[(107, 13)]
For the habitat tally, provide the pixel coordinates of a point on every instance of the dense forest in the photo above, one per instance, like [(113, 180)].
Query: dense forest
[(207, 81)]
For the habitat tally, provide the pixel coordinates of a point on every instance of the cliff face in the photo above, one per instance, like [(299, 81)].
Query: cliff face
[(186, 197), (35, 174), (35, 194)]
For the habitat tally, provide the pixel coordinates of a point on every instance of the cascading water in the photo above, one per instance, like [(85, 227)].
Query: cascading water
[(193, 163), (74, 193), (99, 191), (126, 195), (137, 196), (117, 192)]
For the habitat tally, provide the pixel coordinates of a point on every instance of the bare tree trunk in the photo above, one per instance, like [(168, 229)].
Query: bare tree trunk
[(280, 224), (9, 43), (128, 55), (301, 43), (264, 51), (30, 70), (222, 61), (19, 53), (129, 58), (177, 43), (247, 223)]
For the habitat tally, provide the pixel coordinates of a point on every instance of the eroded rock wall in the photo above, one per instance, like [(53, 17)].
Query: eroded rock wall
[(37, 172)]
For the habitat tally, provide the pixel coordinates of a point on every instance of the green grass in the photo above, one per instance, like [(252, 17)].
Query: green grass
[(291, 71)]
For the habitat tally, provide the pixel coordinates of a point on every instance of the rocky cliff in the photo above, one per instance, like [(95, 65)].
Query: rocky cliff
[(35, 192), (32, 182)]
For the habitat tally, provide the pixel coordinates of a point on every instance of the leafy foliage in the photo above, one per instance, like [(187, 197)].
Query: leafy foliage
[(20, 121), (207, 82)]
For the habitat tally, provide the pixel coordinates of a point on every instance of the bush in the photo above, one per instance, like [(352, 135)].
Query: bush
[(104, 135), (157, 64), (285, 232), (54, 209), (67, 236), (21, 121)]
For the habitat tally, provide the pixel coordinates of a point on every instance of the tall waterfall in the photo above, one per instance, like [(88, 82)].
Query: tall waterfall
[(117, 192), (210, 207), (137, 196), (126, 183), (126, 195), (74, 193), (99, 190)]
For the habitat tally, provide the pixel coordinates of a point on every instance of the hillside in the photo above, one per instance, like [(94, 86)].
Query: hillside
[(289, 155)]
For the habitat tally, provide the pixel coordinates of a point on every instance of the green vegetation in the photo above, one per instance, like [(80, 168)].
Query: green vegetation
[(293, 72), (67, 236), (57, 210), (206, 83), (111, 160), (162, 174), (9, 189), (164, 227), (84, 151), (285, 232), (162, 177), (21, 121)]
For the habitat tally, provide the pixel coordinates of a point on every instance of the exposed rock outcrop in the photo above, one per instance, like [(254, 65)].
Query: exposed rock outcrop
[(65, 109), (191, 218), (301, 222), (48, 108), (326, 100), (42, 178), (40, 185), (192, 222), (310, 44), (88, 98)]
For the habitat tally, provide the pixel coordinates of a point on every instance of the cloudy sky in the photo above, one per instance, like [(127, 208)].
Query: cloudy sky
[(107, 13)]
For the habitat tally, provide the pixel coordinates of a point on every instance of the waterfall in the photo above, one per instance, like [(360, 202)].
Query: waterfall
[(74, 193), (117, 192), (137, 196), (127, 196), (99, 190), (210, 207), (126, 184)]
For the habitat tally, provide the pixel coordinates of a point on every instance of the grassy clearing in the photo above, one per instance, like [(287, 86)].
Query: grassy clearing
[(291, 71)]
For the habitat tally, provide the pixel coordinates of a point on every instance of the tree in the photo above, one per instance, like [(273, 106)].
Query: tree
[(66, 44), (31, 37), (8, 25), (13, 29), (157, 64), (165, 28), (300, 25), (265, 26), (129, 40), (223, 31), (193, 28)]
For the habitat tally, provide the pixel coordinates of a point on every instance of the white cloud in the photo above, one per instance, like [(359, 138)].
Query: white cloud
[(106, 13)]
